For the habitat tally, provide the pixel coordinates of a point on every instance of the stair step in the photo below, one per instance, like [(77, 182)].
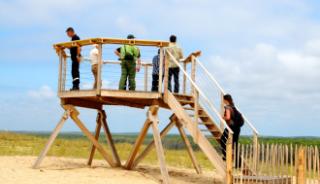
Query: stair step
[(186, 101), (206, 123)]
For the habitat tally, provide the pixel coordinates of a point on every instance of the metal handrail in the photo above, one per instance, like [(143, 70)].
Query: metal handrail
[(222, 91), (200, 92)]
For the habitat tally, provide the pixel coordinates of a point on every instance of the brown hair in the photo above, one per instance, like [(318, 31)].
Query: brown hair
[(229, 99)]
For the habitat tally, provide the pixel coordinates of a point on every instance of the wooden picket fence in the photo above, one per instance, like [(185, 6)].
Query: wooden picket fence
[(276, 164)]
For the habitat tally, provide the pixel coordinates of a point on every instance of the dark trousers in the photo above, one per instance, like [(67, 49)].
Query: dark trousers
[(75, 72), (155, 82), (235, 140), (175, 73)]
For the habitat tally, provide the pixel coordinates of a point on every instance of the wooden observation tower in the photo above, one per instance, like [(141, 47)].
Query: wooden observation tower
[(196, 111)]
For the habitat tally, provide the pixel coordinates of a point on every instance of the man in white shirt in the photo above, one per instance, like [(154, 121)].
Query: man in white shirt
[(94, 57)]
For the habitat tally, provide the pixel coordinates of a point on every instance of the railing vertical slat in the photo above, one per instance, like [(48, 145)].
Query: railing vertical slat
[(161, 63), (184, 82), (145, 77), (99, 81)]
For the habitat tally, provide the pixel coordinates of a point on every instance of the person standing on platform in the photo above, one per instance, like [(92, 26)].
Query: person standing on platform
[(75, 53), (130, 64), (174, 69), (94, 58), (155, 72)]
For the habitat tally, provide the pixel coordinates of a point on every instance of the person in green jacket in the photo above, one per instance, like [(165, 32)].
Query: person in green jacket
[(129, 56)]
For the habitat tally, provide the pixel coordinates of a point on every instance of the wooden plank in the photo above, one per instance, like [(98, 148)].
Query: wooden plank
[(189, 148), (137, 144), (96, 136), (130, 94), (109, 138), (184, 80), (80, 102), (161, 63), (105, 155), (53, 136), (159, 148), (91, 41), (166, 79), (148, 148)]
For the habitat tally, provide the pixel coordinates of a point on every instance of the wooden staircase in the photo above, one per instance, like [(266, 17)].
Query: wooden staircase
[(183, 107)]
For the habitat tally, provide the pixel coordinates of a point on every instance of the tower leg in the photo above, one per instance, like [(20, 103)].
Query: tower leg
[(97, 134), (109, 138), (153, 116), (137, 144), (53, 136), (74, 116), (189, 148), (145, 152)]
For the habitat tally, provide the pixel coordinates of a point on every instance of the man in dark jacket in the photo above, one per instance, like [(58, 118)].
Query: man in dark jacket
[(75, 53)]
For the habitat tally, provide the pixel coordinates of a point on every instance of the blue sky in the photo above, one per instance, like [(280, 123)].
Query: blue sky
[(264, 52)]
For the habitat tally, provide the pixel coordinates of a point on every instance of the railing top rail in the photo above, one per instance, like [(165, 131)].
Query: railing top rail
[(200, 92), (91, 41), (223, 92), (143, 63)]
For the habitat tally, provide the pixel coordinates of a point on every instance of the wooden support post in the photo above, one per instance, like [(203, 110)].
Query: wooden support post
[(109, 138), (137, 144), (184, 84), (157, 139), (229, 162), (64, 75), (145, 77), (96, 136), (144, 153), (60, 72), (53, 136), (161, 63), (189, 148), (99, 78), (74, 116), (301, 166), (166, 78), (193, 72)]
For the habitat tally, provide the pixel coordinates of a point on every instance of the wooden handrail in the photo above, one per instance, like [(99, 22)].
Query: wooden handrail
[(91, 41)]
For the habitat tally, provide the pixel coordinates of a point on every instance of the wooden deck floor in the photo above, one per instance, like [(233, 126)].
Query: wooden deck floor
[(90, 99)]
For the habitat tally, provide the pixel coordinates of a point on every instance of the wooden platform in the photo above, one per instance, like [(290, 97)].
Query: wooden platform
[(137, 99)]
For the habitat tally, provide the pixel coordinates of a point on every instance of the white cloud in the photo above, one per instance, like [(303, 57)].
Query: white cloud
[(128, 25), (44, 92)]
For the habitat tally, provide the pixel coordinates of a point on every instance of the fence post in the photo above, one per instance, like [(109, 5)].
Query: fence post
[(229, 160), (301, 166), (255, 151)]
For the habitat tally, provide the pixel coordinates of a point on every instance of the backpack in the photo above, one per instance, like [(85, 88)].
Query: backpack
[(129, 55), (237, 118)]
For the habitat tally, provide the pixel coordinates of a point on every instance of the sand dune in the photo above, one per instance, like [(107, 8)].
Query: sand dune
[(17, 170)]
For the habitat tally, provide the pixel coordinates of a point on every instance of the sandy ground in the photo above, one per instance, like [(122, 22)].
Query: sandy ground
[(17, 170)]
